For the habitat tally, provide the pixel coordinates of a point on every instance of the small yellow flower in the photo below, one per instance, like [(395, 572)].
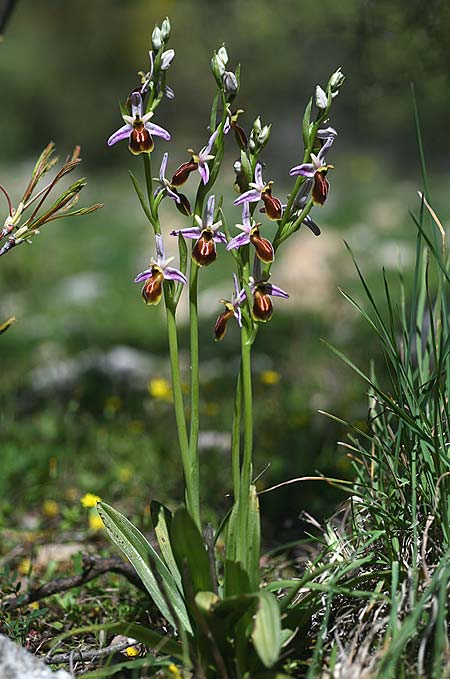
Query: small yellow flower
[(50, 509), (125, 473), (270, 377), (212, 409), (136, 427), (34, 605), (174, 671), (24, 566), (160, 389), (132, 651), (95, 522), (90, 500), (113, 404)]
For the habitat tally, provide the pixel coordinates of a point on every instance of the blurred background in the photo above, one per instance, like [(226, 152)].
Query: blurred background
[(85, 402)]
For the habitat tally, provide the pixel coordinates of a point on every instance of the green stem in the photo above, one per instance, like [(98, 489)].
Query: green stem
[(195, 381), (192, 501), (235, 439)]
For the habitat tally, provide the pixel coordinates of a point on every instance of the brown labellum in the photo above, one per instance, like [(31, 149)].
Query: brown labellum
[(181, 175), (272, 205), (204, 250), (140, 140), (262, 306), (220, 327), (263, 247), (320, 188), (152, 290)]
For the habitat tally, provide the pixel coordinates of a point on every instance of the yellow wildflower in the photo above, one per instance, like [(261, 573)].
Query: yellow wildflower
[(132, 651), (160, 389), (270, 377), (90, 500), (50, 508), (95, 522), (125, 473), (174, 671), (34, 605), (24, 566)]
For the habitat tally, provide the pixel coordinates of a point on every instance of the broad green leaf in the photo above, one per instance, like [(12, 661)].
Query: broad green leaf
[(246, 167), (236, 580), (253, 539), (206, 601), (146, 562), (305, 123), (266, 634), (188, 548), (162, 520)]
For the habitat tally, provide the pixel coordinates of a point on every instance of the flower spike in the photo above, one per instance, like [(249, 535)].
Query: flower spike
[(138, 129), (158, 271), (207, 234)]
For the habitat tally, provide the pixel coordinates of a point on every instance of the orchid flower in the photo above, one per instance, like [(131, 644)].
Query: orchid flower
[(261, 191), (199, 161), (138, 129), (250, 234), (231, 309), (157, 272), (179, 199), (262, 291), (207, 234), (231, 123), (318, 168)]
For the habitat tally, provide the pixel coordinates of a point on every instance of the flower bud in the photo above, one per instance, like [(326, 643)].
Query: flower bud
[(263, 136), (321, 98), (223, 55), (157, 39), (336, 80), (230, 83), (165, 29), (166, 59), (257, 125), (218, 68)]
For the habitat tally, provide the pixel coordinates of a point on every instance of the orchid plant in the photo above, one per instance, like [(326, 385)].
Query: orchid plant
[(228, 624)]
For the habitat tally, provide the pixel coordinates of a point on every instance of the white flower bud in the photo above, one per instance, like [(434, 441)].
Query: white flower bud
[(230, 82), (263, 136), (257, 125), (166, 59), (156, 38), (336, 80), (165, 29), (223, 55), (321, 98), (218, 68)]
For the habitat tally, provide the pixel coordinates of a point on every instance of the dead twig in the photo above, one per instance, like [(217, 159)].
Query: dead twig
[(92, 568), (82, 655)]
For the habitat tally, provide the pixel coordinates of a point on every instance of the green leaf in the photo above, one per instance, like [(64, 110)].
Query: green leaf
[(111, 670), (305, 123), (162, 520), (266, 634), (148, 565), (236, 580), (253, 539), (188, 548), (246, 167)]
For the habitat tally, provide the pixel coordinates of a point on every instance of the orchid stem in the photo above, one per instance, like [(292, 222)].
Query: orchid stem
[(235, 439), (192, 497), (195, 385)]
